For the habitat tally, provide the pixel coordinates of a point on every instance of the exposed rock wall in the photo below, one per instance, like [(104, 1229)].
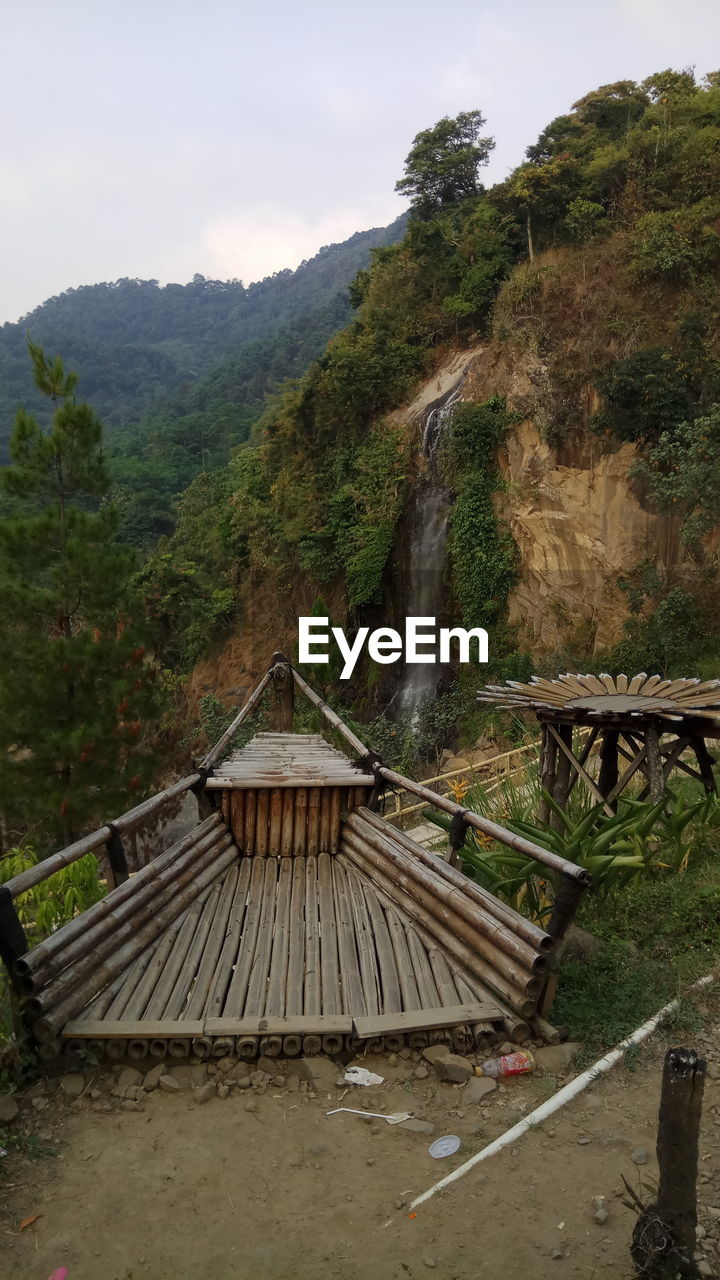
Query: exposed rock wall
[(578, 520)]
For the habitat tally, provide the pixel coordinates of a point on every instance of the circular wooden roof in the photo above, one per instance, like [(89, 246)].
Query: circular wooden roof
[(603, 696)]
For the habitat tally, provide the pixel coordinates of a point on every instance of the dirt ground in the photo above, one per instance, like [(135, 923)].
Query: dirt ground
[(261, 1185)]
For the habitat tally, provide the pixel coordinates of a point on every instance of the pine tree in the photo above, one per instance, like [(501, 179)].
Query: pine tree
[(77, 692)]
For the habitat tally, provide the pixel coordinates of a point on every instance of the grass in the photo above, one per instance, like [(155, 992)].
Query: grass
[(657, 936)]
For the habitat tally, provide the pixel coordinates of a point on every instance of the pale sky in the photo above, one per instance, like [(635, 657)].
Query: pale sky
[(159, 138)]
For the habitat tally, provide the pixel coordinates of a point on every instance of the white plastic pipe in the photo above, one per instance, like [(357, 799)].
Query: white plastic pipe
[(564, 1095)]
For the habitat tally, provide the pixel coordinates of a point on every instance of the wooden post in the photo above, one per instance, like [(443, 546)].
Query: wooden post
[(677, 1144), (13, 944), (655, 775), (548, 756), (284, 689), (608, 762), (705, 765), (663, 1243), (561, 786)]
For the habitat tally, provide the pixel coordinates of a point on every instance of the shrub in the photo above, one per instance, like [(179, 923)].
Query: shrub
[(676, 245)]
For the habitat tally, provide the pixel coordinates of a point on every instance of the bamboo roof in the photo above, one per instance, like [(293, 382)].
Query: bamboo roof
[(583, 697), (288, 760)]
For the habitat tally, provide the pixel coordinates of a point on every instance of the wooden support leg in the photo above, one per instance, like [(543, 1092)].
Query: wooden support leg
[(548, 757), (562, 776), (656, 778), (567, 900), (705, 765), (608, 762)]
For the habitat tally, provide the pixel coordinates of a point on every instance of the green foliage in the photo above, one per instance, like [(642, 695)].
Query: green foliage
[(677, 245), (483, 556), (77, 694), (583, 219), (42, 910), (644, 395), (215, 718), (657, 935), (669, 640), (683, 474), (442, 165)]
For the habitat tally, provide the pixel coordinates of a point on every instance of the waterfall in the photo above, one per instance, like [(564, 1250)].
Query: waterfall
[(427, 582)]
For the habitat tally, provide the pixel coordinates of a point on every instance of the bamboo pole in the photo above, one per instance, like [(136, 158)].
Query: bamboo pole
[(313, 821), (102, 973), (101, 942), (232, 728), (325, 804), (523, 999), (353, 995), (406, 977), (257, 988), (102, 919), (231, 943), (390, 1000), (446, 902), (237, 815), (262, 822), (300, 828), (421, 904), (176, 960), (330, 974), (335, 818), (329, 714), (237, 991), (288, 818), (514, 923), (534, 851), (365, 942), (178, 997), (276, 815), (250, 815), (276, 999), (205, 978), (312, 999)]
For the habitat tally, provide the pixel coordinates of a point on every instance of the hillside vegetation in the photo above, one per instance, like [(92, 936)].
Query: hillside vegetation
[(597, 257), (178, 373)]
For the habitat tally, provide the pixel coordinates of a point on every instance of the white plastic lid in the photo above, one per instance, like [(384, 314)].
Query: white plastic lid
[(446, 1146)]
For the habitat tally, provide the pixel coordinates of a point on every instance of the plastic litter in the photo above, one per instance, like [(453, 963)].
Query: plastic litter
[(360, 1075), (446, 1146), (511, 1064), (396, 1118)]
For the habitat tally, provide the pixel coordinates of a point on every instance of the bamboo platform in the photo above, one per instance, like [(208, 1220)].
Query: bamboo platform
[(286, 956), (292, 919)]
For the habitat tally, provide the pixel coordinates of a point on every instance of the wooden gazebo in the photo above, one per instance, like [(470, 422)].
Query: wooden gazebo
[(647, 723)]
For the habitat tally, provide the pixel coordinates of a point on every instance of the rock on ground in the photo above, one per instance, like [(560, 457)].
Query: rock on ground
[(448, 1066), (9, 1108)]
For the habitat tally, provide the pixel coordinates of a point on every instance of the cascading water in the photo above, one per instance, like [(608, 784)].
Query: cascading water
[(427, 565)]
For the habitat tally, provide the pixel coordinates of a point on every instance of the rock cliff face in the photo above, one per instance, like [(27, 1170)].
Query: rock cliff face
[(578, 520)]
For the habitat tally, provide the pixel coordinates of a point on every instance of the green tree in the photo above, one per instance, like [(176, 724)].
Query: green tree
[(683, 474), (77, 694), (442, 165), (583, 221)]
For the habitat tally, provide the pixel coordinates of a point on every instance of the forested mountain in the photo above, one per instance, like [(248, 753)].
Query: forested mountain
[(134, 342), (592, 272), (178, 373)]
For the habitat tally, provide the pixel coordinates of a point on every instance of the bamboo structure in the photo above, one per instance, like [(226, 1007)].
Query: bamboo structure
[(292, 919), (643, 726)]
